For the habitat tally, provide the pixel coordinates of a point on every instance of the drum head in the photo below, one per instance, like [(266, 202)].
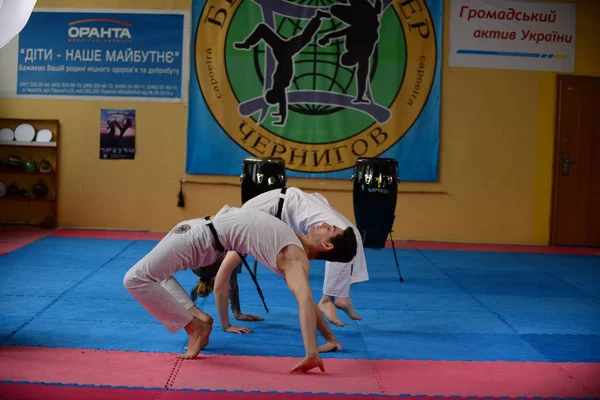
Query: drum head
[(264, 160), (375, 160), (260, 175), (384, 167)]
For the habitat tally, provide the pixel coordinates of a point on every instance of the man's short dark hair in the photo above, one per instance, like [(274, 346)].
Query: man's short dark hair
[(344, 247)]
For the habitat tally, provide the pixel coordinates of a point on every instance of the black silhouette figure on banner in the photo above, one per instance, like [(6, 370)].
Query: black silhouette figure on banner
[(361, 34), (284, 51)]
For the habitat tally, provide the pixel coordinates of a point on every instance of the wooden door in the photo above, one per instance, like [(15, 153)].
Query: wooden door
[(576, 202)]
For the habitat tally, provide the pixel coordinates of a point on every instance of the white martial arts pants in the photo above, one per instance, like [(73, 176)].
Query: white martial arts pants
[(150, 281)]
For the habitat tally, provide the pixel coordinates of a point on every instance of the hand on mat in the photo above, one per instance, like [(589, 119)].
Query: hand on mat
[(330, 346), (238, 329), (307, 364), (248, 317)]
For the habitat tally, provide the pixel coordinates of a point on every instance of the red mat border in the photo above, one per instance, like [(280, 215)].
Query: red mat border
[(61, 391), (405, 378), (12, 239), (494, 248)]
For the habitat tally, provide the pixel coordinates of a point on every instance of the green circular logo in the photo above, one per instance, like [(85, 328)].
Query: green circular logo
[(316, 82)]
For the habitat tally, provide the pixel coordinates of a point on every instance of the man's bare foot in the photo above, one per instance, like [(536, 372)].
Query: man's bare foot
[(204, 317), (327, 307), (345, 304), (198, 332)]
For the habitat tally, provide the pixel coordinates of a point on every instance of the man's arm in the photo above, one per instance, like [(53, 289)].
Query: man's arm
[(294, 264), (230, 262), (297, 281), (234, 299)]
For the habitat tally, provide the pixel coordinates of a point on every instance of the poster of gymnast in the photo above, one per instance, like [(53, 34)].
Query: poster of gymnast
[(117, 134), (317, 83)]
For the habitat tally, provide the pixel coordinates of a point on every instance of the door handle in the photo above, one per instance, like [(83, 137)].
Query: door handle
[(566, 162)]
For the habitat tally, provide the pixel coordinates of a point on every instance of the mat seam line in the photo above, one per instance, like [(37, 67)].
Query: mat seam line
[(177, 366), (504, 321), (171, 379), (374, 369), (30, 320), (174, 372)]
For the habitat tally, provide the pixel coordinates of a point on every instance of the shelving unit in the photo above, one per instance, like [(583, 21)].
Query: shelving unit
[(27, 173), (14, 143), (31, 211)]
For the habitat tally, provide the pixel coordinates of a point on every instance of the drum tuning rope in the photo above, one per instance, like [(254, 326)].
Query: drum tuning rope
[(181, 201), (180, 195)]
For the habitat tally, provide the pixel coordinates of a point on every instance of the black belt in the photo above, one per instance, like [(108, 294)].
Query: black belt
[(260, 293), (280, 204), (218, 245), (220, 248)]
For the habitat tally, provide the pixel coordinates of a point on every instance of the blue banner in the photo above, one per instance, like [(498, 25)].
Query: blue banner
[(102, 54), (317, 83)]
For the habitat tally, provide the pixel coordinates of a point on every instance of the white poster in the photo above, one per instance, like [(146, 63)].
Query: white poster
[(507, 34)]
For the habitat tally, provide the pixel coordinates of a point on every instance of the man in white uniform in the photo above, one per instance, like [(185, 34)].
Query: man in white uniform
[(200, 242), (301, 211)]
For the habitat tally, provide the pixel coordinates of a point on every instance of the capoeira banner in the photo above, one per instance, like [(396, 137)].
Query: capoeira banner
[(518, 35), (318, 83)]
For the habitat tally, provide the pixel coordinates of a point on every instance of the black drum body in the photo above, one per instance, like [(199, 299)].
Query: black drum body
[(375, 190), (260, 175)]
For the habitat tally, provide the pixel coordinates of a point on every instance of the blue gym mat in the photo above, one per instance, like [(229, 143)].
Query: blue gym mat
[(452, 305)]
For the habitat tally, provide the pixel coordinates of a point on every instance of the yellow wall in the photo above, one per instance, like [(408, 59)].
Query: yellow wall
[(495, 168)]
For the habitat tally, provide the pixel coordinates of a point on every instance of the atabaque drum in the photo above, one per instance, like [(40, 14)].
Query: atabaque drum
[(260, 175), (375, 190)]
